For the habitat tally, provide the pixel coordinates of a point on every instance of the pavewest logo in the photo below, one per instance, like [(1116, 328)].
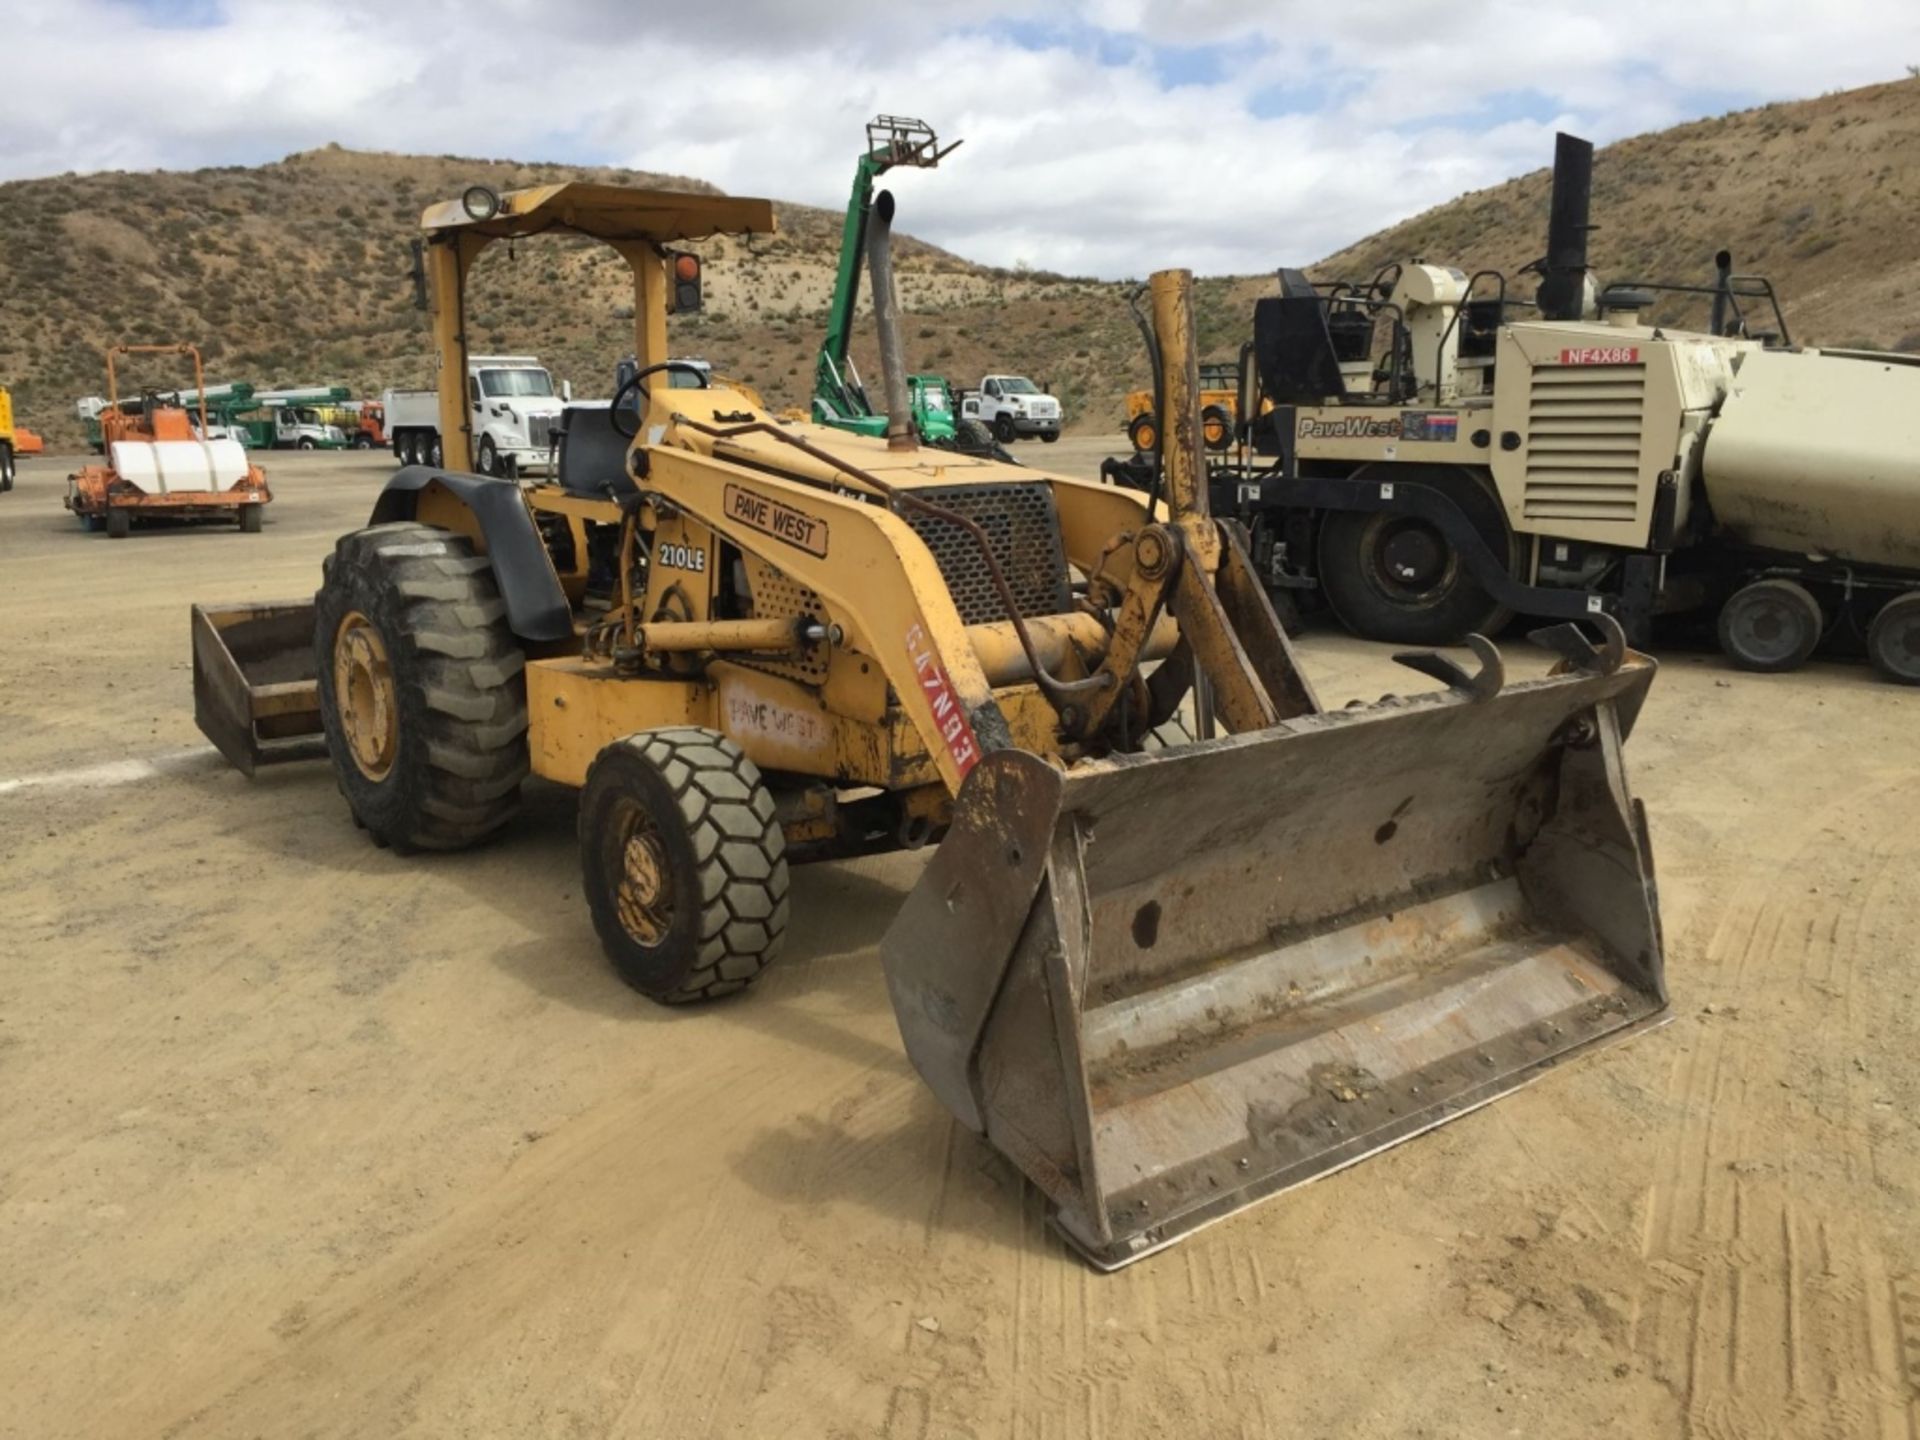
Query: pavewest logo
[(1350, 427)]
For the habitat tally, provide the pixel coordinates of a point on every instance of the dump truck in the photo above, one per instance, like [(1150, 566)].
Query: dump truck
[(1439, 457), (161, 465), (840, 397), (1166, 977)]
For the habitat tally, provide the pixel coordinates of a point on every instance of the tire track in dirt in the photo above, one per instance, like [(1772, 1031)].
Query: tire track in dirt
[(1769, 1306)]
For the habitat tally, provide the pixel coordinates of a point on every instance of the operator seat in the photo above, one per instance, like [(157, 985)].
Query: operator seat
[(593, 455)]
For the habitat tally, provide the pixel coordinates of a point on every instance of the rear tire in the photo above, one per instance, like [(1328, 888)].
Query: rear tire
[(429, 739), (119, 522), (363, 442), (406, 449), (684, 864), (1893, 640), (251, 518), (433, 452), (1144, 431), (1395, 577), (6, 467), (1770, 626)]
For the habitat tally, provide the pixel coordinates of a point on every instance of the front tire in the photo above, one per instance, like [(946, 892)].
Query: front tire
[(1216, 427), (251, 519), (119, 522), (422, 691), (684, 864), (304, 443), (489, 458), (1395, 577), (1003, 429), (6, 467)]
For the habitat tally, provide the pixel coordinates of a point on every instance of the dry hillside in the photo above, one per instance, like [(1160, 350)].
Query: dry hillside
[(296, 272)]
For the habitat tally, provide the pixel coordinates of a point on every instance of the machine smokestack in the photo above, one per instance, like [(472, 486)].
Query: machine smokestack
[(1563, 274), (886, 315)]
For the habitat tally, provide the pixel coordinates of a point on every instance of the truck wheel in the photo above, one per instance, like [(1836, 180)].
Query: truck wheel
[(489, 460), (1893, 640), (251, 518), (1216, 427), (684, 864), (1003, 429), (433, 452), (1144, 431), (422, 691), (6, 466), (1770, 626), (305, 442), (119, 522), (1047, 437), (363, 442), (1396, 577)]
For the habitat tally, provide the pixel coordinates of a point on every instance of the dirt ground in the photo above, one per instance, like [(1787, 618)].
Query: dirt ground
[(301, 1138)]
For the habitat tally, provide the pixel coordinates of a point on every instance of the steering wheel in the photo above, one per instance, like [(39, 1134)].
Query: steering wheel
[(632, 382)]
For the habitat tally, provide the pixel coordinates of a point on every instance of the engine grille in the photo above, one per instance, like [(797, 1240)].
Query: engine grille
[(540, 430), (1584, 425), (1023, 531)]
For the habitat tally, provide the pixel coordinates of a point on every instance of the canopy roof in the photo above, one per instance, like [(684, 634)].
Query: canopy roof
[(607, 212)]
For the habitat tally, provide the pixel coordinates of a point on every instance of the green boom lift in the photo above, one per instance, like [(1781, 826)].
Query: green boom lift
[(839, 398)]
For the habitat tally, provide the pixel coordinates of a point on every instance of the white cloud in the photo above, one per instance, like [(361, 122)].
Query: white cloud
[(1295, 128)]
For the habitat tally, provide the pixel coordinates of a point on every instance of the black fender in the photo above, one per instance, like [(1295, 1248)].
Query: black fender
[(537, 608)]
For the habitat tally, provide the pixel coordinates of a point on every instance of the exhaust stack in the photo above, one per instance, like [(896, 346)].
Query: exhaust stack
[(1564, 283), (886, 315)]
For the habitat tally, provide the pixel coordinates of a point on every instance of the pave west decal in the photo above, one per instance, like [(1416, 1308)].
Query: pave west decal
[(950, 719), (783, 522), (1350, 427), (1601, 355)]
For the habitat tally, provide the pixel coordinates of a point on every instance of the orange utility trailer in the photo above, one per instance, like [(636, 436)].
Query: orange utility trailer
[(160, 465)]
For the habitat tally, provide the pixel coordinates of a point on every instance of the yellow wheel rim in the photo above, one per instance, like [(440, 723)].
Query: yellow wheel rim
[(1147, 437), (363, 690), (644, 896), (1216, 434)]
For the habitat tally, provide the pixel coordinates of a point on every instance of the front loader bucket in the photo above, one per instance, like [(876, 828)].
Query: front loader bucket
[(255, 695), (1169, 985)]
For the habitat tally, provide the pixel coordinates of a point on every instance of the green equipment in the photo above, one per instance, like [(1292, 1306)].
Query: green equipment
[(839, 396)]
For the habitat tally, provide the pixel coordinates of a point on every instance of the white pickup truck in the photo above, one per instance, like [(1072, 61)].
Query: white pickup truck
[(512, 407), (1013, 407)]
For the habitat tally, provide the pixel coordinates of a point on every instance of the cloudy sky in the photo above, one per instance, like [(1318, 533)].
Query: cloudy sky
[(1106, 137)]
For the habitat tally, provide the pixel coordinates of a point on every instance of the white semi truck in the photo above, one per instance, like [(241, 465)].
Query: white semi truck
[(512, 406)]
